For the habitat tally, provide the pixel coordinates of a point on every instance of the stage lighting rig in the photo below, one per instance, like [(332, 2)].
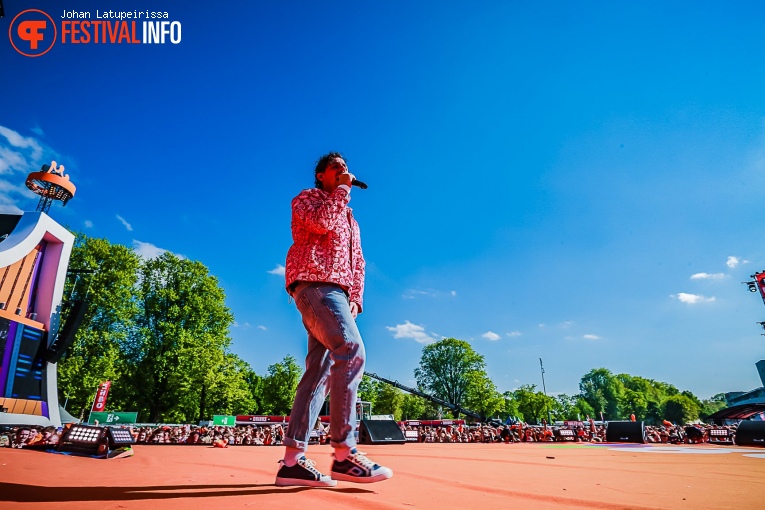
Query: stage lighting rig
[(759, 284)]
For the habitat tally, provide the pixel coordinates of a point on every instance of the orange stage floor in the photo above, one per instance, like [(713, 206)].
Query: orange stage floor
[(427, 476)]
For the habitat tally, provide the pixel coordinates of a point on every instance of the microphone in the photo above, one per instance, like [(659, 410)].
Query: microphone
[(359, 184)]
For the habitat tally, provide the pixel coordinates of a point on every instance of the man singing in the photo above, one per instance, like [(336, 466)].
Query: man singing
[(325, 276)]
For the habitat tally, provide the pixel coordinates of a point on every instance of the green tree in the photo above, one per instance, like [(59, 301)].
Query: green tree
[(532, 404), (445, 367), (680, 409), (482, 396), (158, 329), (634, 402), (96, 354), (413, 407), (182, 332), (369, 389), (654, 414), (571, 408), (584, 409), (641, 396), (279, 386), (510, 408), (603, 392), (644, 397), (712, 405), (255, 388), (389, 400), (227, 388)]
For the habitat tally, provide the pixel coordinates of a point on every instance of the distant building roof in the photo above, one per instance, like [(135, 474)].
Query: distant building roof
[(740, 412), (750, 397)]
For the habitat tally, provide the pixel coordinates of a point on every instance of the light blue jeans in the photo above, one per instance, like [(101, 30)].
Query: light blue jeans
[(334, 365)]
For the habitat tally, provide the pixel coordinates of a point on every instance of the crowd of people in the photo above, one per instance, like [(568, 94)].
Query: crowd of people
[(273, 434), (666, 433), (221, 436)]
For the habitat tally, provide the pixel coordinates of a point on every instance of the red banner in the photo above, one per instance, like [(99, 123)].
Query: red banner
[(99, 404)]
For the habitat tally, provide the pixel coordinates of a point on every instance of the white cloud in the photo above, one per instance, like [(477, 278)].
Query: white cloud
[(692, 299), (431, 293), (22, 142), (125, 223), (263, 328), (7, 202), (566, 324), (413, 331), (707, 276), (38, 131), (150, 251), (88, 224), (12, 161), (414, 293), (147, 250), (8, 208), (591, 337), (19, 155), (732, 262), (490, 335), (278, 270), (514, 333)]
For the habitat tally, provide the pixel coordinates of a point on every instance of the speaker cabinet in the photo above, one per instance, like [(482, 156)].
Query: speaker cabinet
[(625, 432), (380, 432), (68, 331), (750, 433)]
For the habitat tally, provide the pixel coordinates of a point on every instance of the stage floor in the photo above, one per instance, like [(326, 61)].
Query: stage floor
[(427, 476)]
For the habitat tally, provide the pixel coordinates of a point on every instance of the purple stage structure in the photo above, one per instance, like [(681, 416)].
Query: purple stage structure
[(34, 256)]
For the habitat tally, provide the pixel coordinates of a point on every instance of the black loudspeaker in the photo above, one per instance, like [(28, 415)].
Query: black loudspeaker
[(625, 432), (750, 433), (380, 432), (694, 434), (88, 440), (68, 331)]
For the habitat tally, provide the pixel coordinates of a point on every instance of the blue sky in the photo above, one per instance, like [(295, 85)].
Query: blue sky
[(578, 182)]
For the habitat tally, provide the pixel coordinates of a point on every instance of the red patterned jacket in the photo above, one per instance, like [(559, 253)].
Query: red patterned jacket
[(326, 243)]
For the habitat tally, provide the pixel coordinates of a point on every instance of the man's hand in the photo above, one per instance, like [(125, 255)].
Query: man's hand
[(345, 178), (354, 309)]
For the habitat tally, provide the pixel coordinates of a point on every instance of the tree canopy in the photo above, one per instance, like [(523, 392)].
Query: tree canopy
[(158, 329), (445, 369)]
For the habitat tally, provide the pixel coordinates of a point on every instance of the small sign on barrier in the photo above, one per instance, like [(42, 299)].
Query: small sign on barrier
[(226, 421), (118, 418)]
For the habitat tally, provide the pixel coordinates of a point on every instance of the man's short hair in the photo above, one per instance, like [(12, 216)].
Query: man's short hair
[(322, 164)]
